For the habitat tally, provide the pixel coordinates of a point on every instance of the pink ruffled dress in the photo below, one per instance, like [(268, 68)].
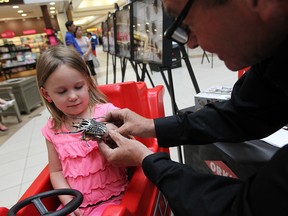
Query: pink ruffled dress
[(85, 168)]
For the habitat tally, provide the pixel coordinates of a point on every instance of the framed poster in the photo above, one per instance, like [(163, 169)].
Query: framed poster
[(124, 32), (111, 33), (149, 24), (105, 36)]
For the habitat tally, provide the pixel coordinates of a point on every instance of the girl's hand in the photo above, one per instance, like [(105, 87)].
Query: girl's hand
[(77, 212)]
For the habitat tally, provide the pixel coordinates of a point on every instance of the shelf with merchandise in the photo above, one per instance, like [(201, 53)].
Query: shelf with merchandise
[(16, 59), (37, 42)]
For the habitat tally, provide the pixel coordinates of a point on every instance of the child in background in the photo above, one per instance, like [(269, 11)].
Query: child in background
[(4, 105), (71, 95), (94, 42)]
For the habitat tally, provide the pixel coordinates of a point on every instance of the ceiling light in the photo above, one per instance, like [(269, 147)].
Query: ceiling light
[(85, 4), (15, 6), (52, 8), (83, 20), (20, 11), (52, 3), (23, 14), (52, 11)]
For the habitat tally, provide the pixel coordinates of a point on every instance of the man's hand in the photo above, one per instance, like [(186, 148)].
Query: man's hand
[(129, 152), (130, 123)]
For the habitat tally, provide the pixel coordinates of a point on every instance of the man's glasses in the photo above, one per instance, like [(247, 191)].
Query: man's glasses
[(177, 33)]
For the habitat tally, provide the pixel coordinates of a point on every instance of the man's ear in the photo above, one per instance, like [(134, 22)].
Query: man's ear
[(45, 94), (266, 8)]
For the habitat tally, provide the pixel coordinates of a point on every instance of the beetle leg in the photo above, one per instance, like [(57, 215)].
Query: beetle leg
[(67, 132)]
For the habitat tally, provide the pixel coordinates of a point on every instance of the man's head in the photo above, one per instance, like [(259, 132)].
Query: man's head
[(241, 33), (70, 26), (89, 35)]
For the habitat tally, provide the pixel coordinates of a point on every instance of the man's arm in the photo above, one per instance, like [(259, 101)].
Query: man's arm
[(188, 192), (248, 115)]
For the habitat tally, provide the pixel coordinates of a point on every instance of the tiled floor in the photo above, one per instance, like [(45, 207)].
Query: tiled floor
[(23, 152)]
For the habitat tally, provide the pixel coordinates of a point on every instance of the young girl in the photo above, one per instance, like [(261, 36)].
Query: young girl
[(71, 95)]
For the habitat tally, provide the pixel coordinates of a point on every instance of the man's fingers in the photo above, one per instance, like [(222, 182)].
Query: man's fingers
[(105, 149), (115, 135), (113, 115)]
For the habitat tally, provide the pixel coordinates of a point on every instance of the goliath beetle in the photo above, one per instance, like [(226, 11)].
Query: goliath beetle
[(89, 127)]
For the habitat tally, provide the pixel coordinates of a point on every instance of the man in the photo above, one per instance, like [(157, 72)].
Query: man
[(242, 33), (94, 42), (69, 37)]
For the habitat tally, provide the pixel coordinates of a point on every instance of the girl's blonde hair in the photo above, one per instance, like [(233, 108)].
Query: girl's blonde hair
[(49, 61)]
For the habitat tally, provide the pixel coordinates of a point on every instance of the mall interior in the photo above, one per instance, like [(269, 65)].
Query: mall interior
[(23, 153)]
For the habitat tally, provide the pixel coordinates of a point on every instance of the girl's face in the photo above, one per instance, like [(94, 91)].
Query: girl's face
[(68, 89), (79, 32)]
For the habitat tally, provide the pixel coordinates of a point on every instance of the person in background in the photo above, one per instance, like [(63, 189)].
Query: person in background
[(69, 37), (94, 42), (4, 105), (242, 33), (100, 40), (3, 127), (86, 47), (56, 34), (71, 95)]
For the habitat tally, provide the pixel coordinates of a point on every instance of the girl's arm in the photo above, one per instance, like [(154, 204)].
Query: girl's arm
[(56, 176)]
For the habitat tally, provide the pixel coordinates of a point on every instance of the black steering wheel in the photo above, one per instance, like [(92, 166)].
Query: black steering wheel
[(36, 200)]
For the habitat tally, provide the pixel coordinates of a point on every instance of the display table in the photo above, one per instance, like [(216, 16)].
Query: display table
[(238, 160), (26, 92)]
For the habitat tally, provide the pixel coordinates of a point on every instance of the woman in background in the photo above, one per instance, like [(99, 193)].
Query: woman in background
[(86, 48)]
